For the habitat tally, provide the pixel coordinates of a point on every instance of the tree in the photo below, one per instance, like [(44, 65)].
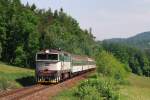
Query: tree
[(146, 67), (135, 65), (20, 58), (137, 60), (0, 49), (33, 7), (108, 65), (55, 14)]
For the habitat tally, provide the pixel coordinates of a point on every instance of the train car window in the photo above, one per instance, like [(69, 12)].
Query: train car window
[(67, 58), (79, 63), (52, 56), (61, 57), (91, 63), (41, 57)]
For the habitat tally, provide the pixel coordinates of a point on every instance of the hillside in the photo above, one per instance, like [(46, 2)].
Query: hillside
[(138, 88), (141, 40), (15, 77), (27, 30)]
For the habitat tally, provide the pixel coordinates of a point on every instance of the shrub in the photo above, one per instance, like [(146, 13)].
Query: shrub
[(108, 65), (96, 89), (0, 49), (20, 56)]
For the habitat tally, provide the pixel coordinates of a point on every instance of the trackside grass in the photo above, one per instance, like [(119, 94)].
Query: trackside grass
[(15, 77), (94, 88), (66, 95), (138, 89)]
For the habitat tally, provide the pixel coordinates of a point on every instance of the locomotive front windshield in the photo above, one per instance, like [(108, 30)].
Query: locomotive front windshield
[(47, 56)]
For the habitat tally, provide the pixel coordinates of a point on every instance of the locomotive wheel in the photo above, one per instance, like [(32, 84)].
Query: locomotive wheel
[(62, 77), (37, 79), (58, 79)]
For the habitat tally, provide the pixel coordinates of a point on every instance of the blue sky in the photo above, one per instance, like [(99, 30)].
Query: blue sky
[(108, 18)]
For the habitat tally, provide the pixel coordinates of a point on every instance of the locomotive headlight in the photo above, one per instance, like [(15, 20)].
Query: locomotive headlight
[(46, 51)]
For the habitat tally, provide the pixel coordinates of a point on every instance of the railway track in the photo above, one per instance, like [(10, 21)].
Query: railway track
[(21, 93), (37, 92)]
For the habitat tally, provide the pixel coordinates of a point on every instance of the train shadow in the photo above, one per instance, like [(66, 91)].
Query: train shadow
[(26, 81)]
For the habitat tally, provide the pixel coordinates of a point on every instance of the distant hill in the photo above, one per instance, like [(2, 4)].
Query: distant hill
[(141, 40)]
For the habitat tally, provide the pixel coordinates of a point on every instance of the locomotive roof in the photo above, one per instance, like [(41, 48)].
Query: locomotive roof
[(53, 51), (75, 57)]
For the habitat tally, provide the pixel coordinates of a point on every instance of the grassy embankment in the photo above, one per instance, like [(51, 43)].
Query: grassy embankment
[(112, 81), (15, 77), (137, 89)]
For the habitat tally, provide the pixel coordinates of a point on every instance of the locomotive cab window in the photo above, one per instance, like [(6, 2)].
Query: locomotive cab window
[(47, 56), (52, 56), (41, 57)]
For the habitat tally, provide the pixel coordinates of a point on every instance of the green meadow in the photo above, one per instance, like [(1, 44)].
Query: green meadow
[(15, 77), (138, 88)]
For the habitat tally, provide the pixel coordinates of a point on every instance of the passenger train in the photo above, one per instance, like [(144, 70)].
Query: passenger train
[(56, 65)]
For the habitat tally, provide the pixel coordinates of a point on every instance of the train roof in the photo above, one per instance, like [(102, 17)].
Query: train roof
[(52, 51), (75, 57)]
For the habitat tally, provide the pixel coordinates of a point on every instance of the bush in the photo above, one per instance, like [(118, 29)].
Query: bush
[(96, 89), (0, 49), (108, 65), (20, 58)]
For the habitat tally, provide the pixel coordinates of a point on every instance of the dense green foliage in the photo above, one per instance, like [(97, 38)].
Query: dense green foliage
[(93, 88), (136, 59), (0, 49), (97, 89), (24, 30), (138, 87), (109, 66)]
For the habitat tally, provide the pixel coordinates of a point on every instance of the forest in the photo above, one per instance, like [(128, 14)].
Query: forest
[(140, 40), (25, 29), (136, 60)]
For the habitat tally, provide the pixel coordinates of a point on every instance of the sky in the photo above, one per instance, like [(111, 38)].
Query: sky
[(107, 18)]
